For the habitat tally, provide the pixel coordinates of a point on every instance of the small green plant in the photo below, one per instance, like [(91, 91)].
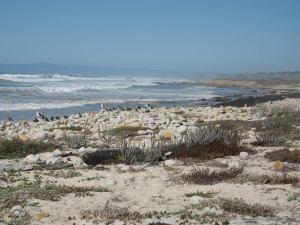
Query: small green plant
[(119, 199), (111, 214), (294, 196), (124, 132), (75, 141), (209, 194), (64, 174), (16, 148), (179, 113), (171, 169)]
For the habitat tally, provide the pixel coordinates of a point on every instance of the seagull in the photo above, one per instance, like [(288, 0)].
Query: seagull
[(35, 120), (38, 114)]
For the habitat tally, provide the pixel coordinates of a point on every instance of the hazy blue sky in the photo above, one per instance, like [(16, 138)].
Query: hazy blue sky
[(188, 35)]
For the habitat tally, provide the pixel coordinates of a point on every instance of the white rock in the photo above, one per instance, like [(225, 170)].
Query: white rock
[(56, 152), (233, 165), (170, 162), (17, 210), (82, 149), (196, 199), (38, 135), (111, 183), (54, 160), (193, 129), (32, 158), (182, 130), (60, 135), (139, 167), (244, 154), (150, 131), (142, 132)]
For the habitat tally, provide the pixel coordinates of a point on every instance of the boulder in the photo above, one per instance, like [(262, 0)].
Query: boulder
[(170, 162), (182, 130), (60, 135), (32, 158), (142, 132), (54, 160), (39, 135)]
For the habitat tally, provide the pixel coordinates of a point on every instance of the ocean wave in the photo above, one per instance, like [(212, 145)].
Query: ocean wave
[(40, 78), (53, 105), (66, 104), (79, 88)]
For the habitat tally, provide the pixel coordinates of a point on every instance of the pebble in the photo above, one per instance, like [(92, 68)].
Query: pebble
[(233, 165), (244, 154), (196, 199), (19, 183), (54, 160), (170, 162), (32, 158), (111, 183), (278, 165), (40, 216), (182, 130), (142, 132)]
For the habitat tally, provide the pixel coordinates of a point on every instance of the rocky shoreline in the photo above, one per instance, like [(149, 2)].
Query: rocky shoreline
[(81, 139)]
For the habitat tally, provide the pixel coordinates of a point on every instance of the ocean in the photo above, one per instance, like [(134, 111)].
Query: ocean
[(21, 95)]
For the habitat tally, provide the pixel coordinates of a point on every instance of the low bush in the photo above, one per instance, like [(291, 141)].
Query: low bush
[(134, 155), (209, 194), (206, 151), (266, 179), (207, 176), (16, 148), (124, 132), (110, 214), (75, 141), (284, 155)]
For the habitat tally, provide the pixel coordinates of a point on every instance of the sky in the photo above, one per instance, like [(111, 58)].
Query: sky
[(205, 36)]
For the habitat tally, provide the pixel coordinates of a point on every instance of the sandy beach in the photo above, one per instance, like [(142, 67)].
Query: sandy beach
[(253, 189)]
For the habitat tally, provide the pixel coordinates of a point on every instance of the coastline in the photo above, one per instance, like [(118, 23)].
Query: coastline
[(150, 189)]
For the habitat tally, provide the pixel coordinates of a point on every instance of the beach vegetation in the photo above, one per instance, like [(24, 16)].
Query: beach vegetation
[(207, 176), (16, 148), (284, 155), (75, 141), (134, 155), (294, 196), (69, 173), (73, 128), (209, 194), (237, 206), (179, 112), (110, 214), (124, 132), (266, 179), (209, 142)]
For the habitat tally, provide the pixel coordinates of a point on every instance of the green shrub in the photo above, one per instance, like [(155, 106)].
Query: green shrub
[(16, 148)]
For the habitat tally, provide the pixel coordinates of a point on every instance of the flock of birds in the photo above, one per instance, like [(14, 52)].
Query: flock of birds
[(40, 117)]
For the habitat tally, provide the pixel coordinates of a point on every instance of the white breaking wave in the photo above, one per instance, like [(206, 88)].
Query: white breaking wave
[(79, 88)]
